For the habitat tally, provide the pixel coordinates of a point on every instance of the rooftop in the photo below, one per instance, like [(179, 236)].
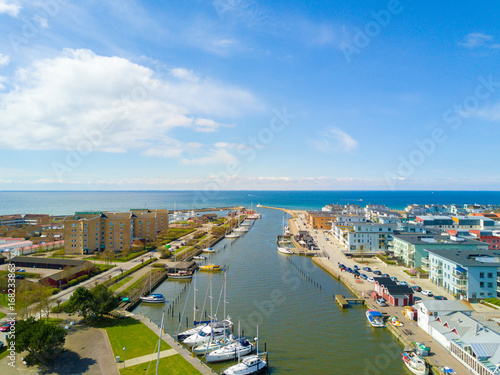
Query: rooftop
[(470, 258), (423, 239)]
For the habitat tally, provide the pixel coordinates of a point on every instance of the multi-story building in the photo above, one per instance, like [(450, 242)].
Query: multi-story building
[(363, 237), (486, 236), (88, 232), (320, 219), (24, 219), (412, 249), (468, 274)]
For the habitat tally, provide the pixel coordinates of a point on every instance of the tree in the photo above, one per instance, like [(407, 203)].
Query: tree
[(43, 341), (109, 255), (81, 301), (104, 300)]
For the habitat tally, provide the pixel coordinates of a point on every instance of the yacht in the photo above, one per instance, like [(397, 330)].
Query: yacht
[(211, 331), (375, 318), (180, 275), (239, 348), (213, 345), (251, 364), (285, 250)]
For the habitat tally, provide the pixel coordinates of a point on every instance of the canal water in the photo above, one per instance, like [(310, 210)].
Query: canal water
[(291, 301)]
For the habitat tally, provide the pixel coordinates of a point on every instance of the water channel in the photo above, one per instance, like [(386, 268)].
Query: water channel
[(291, 300)]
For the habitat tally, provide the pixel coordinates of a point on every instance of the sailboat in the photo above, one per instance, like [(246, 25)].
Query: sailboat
[(283, 249), (234, 350), (155, 297), (249, 365)]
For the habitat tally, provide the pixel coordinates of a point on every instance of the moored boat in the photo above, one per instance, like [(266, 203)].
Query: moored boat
[(239, 348), (212, 331), (199, 257), (153, 298), (213, 345), (285, 250), (415, 363), (180, 275), (249, 365), (208, 250), (375, 318), (211, 268)]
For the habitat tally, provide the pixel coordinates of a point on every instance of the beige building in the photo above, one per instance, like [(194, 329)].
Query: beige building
[(88, 232)]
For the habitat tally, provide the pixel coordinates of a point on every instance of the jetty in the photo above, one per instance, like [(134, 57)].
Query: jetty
[(345, 302)]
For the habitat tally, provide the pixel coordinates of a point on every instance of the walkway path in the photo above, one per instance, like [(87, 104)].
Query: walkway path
[(145, 358)]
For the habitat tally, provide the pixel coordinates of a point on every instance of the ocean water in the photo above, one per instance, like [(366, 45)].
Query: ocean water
[(67, 202)]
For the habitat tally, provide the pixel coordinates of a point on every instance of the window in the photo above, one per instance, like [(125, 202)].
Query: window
[(481, 284), (490, 285), (490, 275), (481, 275)]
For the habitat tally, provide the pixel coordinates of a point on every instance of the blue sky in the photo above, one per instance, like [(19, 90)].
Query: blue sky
[(235, 94)]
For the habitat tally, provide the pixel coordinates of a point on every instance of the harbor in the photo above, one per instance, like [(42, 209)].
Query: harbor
[(290, 299)]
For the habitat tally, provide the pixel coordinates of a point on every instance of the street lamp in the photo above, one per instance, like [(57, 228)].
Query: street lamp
[(124, 357)]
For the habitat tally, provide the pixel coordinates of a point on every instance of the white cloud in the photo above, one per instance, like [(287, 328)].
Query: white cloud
[(80, 99), (215, 156), (475, 40), (4, 59), (41, 21), (184, 74), (334, 140), (490, 113), (10, 7)]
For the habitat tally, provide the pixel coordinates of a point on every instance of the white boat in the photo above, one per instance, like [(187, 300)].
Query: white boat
[(233, 235), (180, 275), (285, 250), (190, 332), (208, 250), (241, 229), (211, 331), (246, 224), (199, 257), (251, 364), (153, 298), (415, 363), (237, 349), (213, 345), (375, 318)]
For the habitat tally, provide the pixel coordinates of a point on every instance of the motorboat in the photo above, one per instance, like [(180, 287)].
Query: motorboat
[(213, 345), (180, 275), (375, 318), (249, 365), (239, 348), (415, 363), (153, 298), (233, 234), (199, 257), (241, 229), (247, 223), (212, 331), (211, 268), (285, 250), (208, 250)]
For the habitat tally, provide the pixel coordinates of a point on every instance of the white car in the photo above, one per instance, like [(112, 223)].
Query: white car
[(403, 283), (427, 293)]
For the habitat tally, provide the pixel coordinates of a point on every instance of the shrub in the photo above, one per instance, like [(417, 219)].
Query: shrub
[(73, 282)]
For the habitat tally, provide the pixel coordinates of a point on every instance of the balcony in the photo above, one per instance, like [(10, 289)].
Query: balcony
[(460, 285), (459, 275)]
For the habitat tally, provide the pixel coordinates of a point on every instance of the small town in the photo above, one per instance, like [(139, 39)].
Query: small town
[(428, 274)]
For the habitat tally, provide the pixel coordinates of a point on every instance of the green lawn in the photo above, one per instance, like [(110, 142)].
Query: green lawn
[(2, 315), (3, 351), (173, 365), (120, 283), (131, 334)]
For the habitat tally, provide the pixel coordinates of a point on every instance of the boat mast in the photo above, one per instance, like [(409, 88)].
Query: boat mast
[(195, 310), (159, 342), (225, 276)]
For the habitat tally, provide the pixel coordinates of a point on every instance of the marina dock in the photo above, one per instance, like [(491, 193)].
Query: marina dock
[(345, 302)]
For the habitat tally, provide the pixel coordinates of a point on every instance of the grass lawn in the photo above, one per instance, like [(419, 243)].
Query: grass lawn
[(2, 315), (3, 351), (131, 334), (120, 283), (4, 302), (173, 365)]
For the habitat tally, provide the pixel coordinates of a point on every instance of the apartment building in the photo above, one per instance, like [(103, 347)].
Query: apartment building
[(363, 236), (88, 232), (467, 274)]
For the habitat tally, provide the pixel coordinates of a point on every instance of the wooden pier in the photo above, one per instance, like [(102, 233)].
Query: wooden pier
[(345, 302)]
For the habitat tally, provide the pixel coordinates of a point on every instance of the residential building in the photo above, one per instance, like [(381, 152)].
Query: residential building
[(486, 236), (467, 274), (363, 237), (24, 219), (88, 232), (412, 248), (320, 219)]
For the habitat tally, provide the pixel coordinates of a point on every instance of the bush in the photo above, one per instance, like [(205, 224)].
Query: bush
[(493, 301), (159, 265), (72, 282)]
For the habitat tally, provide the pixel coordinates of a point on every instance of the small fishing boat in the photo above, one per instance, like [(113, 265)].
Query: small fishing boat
[(375, 318), (213, 345), (249, 365), (208, 250), (239, 348), (154, 298), (285, 250), (199, 257), (415, 363), (211, 268), (180, 275)]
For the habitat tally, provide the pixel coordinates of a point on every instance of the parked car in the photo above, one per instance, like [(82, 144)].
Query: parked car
[(367, 269), (356, 273), (19, 277), (356, 267), (349, 269), (21, 270), (377, 272), (403, 283), (394, 278), (370, 279), (416, 288), (385, 275), (427, 293), (341, 265), (363, 276), (6, 326), (441, 298), (381, 302)]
